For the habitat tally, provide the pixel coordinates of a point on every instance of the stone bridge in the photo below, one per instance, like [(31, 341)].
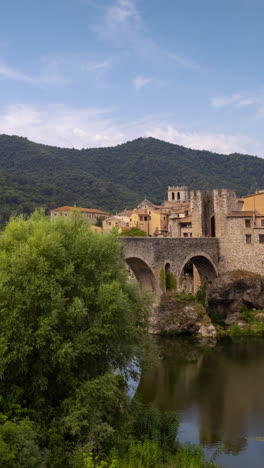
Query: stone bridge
[(146, 257)]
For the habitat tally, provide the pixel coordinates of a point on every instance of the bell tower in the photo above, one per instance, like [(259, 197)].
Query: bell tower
[(178, 194)]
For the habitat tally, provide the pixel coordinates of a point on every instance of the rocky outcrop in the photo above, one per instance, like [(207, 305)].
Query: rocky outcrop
[(233, 291), (176, 316)]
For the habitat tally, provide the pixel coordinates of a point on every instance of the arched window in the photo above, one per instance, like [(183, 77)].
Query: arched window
[(178, 196), (172, 195), (212, 226)]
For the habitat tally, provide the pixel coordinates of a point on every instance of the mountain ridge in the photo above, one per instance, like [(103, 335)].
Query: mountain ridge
[(116, 177)]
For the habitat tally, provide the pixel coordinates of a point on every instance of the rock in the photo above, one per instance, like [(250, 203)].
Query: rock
[(174, 317), (233, 319), (260, 316), (242, 324), (232, 291), (207, 332)]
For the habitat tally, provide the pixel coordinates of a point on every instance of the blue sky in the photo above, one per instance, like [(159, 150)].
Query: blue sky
[(89, 73)]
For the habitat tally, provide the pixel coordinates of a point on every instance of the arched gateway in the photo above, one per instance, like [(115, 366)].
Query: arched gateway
[(147, 257), (143, 273)]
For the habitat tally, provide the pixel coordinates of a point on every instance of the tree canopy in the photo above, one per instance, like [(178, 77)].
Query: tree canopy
[(73, 330), (133, 232), (70, 325), (34, 175)]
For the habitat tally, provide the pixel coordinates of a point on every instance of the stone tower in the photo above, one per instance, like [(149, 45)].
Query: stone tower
[(178, 194)]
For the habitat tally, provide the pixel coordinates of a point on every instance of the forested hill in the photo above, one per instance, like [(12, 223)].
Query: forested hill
[(114, 178)]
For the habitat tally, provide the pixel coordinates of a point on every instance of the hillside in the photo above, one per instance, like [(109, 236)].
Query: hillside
[(114, 178)]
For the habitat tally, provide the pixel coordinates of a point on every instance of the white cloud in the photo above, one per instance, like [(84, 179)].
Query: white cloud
[(140, 82), (122, 25), (50, 73), (9, 73), (98, 67), (181, 61), (54, 70), (216, 142), (237, 100), (222, 101), (75, 127), (122, 10)]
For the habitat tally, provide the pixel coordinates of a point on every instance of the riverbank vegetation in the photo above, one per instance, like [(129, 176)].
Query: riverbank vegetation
[(73, 331)]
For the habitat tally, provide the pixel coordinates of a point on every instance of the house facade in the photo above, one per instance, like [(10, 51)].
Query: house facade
[(89, 213)]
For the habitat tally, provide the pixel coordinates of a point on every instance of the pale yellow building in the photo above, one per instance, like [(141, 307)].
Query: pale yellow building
[(153, 221), (254, 202), (117, 221)]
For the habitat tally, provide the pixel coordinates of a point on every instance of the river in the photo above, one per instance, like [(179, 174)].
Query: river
[(218, 393)]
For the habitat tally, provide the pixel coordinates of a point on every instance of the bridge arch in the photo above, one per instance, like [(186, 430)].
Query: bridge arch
[(143, 273), (201, 269)]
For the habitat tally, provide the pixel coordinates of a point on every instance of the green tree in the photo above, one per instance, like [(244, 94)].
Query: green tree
[(99, 221), (133, 232), (70, 325)]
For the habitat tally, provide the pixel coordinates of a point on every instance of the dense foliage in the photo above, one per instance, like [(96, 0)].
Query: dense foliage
[(70, 325), (133, 232), (73, 330), (33, 175)]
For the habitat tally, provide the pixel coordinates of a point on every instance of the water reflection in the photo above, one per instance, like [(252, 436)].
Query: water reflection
[(220, 389)]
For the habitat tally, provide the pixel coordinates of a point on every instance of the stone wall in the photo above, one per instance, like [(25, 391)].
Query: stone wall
[(235, 253), (156, 252), (225, 201)]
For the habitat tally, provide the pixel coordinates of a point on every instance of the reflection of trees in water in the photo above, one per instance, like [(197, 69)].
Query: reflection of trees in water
[(225, 384)]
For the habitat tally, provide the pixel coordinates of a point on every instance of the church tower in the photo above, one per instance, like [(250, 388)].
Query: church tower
[(178, 194)]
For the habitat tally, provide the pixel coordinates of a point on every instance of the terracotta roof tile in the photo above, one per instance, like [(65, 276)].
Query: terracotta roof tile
[(77, 208)]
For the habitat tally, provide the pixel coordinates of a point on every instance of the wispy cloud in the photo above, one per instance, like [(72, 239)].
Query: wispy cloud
[(99, 66), (181, 61), (140, 82), (238, 100), (121, 11), (123, 25), (57, 71), (10, 73), (91, 127)]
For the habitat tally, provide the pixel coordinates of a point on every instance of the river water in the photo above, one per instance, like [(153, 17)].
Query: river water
[(218, 393)]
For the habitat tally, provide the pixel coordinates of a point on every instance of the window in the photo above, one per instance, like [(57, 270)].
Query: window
[(247, 223), (164, 217), (145, 218), (262, 223), (248, 238), (190, 234), (261, 238), (178, 196), (172, 195), (185, 234)]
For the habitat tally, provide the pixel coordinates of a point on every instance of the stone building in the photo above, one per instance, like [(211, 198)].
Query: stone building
[(236, 222), (89, 213), (120, 221)]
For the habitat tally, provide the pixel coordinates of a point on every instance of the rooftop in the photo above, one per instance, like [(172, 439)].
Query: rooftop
[(77, 208), (258, 193), (241, 214)]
